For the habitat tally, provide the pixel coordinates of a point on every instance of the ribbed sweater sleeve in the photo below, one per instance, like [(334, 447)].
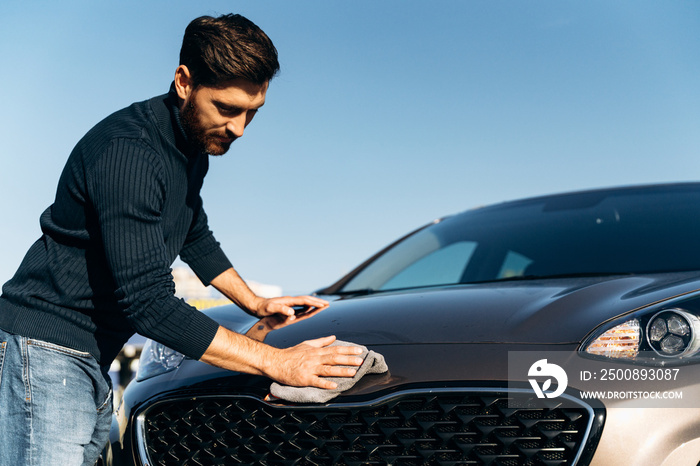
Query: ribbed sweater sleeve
[(127, 185), (201, 251)]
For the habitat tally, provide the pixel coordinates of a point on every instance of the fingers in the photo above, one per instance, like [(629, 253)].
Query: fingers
[(320, 342), (334, 371), (336, 355), (277, 307), (307, 363), (342, 360), (311, 301), (323, 383), (283, 305), (336, 359), (339, 371)]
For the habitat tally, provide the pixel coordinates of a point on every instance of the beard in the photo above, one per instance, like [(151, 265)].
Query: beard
[(198, 136)]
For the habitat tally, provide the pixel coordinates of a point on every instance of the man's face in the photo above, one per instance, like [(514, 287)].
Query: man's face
[(214, 117)]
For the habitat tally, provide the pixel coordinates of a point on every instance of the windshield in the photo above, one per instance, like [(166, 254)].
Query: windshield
[(625, 231)]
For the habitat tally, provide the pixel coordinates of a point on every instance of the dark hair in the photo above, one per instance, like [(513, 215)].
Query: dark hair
[(217, 50)]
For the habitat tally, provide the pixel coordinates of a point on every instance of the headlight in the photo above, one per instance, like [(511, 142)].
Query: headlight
[(659, 335), (674, 332), (157, 359)]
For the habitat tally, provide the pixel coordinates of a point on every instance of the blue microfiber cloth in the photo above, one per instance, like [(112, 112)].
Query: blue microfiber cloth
[(373, 364)]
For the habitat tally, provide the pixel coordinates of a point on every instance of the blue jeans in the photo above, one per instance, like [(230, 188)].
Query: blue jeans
[(55, 404)]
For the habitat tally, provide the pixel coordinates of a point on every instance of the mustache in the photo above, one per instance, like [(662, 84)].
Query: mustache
[(225, 134)]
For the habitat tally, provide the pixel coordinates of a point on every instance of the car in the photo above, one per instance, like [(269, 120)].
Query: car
[(554, 330)]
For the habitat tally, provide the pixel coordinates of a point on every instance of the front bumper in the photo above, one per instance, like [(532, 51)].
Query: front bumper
[(198, 408)]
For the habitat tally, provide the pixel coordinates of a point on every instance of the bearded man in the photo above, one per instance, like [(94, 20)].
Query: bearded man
[(126, 206)]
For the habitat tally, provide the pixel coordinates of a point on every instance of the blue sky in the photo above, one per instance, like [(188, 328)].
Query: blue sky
[(385, 116)]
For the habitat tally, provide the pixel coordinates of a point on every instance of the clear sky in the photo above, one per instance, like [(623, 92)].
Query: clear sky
[(386, 115)]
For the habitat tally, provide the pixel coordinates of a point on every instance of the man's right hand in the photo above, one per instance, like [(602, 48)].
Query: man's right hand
[(302, 365), (305, 364)]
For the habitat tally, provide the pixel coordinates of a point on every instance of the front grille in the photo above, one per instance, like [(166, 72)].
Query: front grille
[(433, 428)]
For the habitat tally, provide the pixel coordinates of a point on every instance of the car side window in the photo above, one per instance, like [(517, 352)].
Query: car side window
[(443, 266)]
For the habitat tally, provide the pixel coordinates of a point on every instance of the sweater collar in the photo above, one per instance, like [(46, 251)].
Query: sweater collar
[(181, 139)]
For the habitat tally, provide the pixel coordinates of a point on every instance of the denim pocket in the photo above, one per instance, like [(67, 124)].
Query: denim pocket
[(107, 403), (58, 348), (3, 345)]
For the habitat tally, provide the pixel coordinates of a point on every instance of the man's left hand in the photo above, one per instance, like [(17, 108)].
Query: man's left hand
[(283, 305)]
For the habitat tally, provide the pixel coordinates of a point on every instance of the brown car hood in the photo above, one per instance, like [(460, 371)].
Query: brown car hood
[(553, 311)]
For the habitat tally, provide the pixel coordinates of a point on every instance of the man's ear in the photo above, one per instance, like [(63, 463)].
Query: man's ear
[(183, 82)]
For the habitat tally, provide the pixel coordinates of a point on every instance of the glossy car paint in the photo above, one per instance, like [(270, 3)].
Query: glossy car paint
[(422, 334), (460, 336)]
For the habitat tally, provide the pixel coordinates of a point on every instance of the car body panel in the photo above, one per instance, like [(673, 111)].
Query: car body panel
[(461, 336), (510, 312)]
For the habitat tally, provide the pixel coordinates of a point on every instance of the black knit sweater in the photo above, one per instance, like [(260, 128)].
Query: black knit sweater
[(127, 204)]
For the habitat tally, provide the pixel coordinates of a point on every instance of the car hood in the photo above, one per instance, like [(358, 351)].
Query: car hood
[(546, 311)]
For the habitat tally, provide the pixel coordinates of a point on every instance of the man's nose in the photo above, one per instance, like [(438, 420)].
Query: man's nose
[(236, 125)]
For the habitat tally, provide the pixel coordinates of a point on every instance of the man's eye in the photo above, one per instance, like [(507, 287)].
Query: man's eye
[(228, 110)]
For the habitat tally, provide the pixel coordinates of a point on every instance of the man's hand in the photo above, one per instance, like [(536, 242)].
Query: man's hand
[(272, 322), (302, 365), (283, 305), (231, 285)]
